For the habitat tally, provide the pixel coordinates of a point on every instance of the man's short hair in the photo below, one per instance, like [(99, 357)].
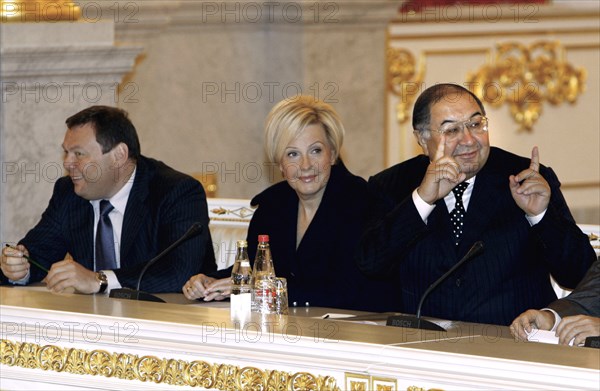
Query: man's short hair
[(111, 125), (432, 95)]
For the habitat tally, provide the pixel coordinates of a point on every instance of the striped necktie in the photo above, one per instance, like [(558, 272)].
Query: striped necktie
[(105, 242)]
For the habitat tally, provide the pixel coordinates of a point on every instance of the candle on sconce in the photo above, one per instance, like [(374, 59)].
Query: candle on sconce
[(27, 11)]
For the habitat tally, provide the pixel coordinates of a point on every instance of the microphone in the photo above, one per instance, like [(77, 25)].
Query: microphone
[(416, 322), (136, 294)]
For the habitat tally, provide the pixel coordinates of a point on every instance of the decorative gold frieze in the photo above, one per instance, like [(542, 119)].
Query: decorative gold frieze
[(404, 79), (157, 370), (526, 76)]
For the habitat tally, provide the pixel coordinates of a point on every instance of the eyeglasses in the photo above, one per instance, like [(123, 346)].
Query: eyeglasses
[(452, 131)]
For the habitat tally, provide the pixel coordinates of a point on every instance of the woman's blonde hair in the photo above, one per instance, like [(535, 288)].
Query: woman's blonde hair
[(290, 117)]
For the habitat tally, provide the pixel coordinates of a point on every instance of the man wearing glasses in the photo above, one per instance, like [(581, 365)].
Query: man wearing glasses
[(431, 209)]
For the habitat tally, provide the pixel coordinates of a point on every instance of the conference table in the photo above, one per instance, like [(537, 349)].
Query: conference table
[(71, 341)]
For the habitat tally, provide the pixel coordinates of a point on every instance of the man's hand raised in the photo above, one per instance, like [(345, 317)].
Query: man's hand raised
[(442, 175), (529, 189)]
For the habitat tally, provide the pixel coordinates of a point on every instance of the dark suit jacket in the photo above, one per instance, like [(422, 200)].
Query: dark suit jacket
[(511, 276), (162, 205), (321, 271), (585, 299)]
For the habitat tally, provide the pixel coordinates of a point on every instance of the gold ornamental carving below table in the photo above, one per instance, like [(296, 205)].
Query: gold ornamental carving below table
[(153, 369)]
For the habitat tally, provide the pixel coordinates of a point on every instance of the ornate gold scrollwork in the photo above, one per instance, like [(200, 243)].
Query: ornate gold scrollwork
[(100, 363), (524, 77), (404, 79), (277, 381), (157, 370)]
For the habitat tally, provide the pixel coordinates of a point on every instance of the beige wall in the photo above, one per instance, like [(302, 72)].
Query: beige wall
[(209, 77)]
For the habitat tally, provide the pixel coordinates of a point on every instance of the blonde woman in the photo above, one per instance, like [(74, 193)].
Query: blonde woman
[(314, 218)]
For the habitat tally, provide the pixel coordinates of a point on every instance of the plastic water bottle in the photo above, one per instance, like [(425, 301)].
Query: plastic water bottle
[(241, 281), (263, 293)]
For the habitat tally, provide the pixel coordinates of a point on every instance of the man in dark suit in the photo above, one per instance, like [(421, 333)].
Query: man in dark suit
[(113, 212), (511, 203), (574, 317)]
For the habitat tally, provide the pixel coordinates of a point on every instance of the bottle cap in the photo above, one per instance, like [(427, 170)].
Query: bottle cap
[(242, 243), (263, 238)]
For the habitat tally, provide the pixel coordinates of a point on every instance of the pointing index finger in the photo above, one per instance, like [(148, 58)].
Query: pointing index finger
[(535, 160), (441, 148)]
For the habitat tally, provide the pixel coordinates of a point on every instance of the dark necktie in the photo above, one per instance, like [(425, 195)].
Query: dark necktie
[(458, 214), (105, 242)]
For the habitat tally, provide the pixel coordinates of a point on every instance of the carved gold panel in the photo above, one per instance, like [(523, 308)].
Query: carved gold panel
[(357, 382), (158, 370), (383, 384), (524, 77), (360, 382), (405, 75)]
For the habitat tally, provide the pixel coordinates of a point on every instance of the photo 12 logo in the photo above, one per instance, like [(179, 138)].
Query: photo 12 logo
[(89, 332), (269, 91), (477, 11), (56, 11), (269, 331), (53, 92), (269, 12)]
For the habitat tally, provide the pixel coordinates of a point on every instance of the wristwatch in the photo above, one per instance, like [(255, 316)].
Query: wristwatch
[(102, 280)]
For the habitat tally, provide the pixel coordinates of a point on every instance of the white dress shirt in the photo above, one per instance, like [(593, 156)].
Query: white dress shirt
[(425, 209), (119, 202)]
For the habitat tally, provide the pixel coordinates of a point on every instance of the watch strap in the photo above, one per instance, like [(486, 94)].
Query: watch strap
[(102, 280)]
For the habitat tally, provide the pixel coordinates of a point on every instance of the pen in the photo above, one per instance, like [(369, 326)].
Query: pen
[(34, 263)]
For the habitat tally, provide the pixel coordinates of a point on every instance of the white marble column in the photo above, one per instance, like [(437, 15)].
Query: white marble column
[(49, 71)]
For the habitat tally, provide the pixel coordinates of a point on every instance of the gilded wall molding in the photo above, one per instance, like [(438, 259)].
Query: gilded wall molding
[(524, 77), (242, 213), (153, 369), (404, 79)]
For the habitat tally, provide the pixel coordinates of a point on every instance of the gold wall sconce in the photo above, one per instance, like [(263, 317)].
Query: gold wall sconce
[(208, 181), (404, 79), (39, 11), (524, 77)]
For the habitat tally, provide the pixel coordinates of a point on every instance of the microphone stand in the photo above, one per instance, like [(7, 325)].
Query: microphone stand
[(416, 322), (136, 294)]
